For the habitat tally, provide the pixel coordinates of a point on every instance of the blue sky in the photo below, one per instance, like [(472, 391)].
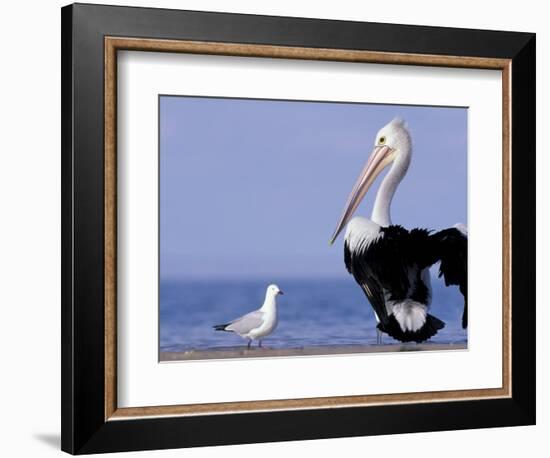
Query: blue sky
[(254, 188)]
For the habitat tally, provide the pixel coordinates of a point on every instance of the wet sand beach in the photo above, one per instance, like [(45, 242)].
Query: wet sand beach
[(256, 352)]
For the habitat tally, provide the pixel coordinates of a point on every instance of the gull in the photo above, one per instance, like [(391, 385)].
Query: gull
[(259, 323)]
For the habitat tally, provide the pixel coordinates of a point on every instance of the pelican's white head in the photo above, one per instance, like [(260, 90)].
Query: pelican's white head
[(273, 290), (395, 136), (392, 145)]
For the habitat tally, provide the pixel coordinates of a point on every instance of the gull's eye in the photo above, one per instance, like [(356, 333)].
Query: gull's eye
[(382, 140)]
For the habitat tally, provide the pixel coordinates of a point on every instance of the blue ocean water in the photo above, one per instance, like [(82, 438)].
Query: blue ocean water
[(311, 313)]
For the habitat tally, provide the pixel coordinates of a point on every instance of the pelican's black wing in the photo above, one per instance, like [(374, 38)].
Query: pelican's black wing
[(389, 267), (383, 265), (368, 282), (450, 246)]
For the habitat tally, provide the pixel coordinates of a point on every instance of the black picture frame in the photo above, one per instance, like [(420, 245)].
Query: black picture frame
[(84, 427)]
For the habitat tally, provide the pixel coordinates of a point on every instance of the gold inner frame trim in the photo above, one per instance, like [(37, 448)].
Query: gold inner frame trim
[(114, 44)]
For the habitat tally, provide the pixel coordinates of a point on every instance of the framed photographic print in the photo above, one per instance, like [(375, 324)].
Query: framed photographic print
[(273, 221)]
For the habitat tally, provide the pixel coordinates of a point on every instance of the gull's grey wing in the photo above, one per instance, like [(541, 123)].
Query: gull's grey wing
[(246, 323)]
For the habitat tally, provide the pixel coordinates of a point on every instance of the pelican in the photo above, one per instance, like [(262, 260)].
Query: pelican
[(257, 324), (391, 263)]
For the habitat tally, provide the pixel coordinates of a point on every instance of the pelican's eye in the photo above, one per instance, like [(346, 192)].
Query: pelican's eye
[(382, 140)]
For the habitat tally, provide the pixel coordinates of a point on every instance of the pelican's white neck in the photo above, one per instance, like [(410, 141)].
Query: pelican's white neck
[(381, 209)]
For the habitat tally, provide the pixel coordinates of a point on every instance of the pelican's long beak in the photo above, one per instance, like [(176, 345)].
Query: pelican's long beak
[(379, 158)]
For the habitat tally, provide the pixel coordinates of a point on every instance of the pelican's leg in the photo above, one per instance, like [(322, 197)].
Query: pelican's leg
[(260, 343), (378, 332), (249, 343)]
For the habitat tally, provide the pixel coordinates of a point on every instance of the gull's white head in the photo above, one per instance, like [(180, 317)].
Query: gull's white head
[(273, 290), (392, 145)]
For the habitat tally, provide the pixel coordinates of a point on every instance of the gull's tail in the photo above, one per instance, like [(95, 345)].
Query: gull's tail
[(221, 327)]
